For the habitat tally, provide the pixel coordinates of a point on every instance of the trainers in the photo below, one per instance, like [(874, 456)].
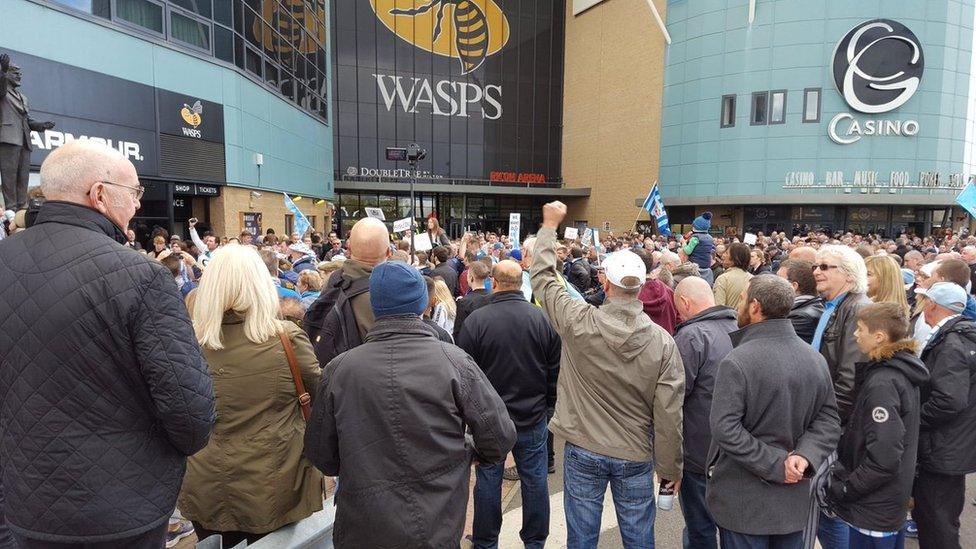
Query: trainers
[(173, 537), (911, 529), (510, 473)]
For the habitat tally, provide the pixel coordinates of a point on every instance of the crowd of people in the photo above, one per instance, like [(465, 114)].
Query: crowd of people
[(818, 386)]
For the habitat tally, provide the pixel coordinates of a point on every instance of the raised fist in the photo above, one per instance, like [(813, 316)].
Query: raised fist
[(4, 62), (553, 214)]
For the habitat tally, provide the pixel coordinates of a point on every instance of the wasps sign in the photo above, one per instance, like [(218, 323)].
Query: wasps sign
[(467, 30)]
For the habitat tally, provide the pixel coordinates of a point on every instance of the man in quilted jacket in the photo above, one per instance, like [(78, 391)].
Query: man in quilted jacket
[(103, 389)]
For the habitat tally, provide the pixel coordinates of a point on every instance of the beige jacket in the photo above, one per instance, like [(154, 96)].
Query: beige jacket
[(621, 376), (728, 287)]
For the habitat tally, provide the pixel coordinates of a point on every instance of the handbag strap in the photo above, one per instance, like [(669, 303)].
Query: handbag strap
[(304, 399)]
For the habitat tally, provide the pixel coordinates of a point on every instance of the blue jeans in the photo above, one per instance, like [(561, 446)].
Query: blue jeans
[(700, 530), (833, 533), (530, 460), (735, 540), (863, 541), (585, 475)]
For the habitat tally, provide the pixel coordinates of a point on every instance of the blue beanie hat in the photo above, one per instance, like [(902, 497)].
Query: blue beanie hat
[(396, 288), (703, 222), (516, 255)]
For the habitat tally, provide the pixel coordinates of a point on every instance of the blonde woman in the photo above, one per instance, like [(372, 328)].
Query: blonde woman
[(885, 283), (445, 308), (251, 478)]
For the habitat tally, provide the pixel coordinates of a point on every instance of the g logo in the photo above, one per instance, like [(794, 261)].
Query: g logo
[(473, 30), (878, 66)]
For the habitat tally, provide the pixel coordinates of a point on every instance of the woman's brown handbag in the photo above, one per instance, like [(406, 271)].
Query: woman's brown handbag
[(304, 399)]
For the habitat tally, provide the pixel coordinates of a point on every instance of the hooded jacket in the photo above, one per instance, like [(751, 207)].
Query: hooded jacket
[(620, 378), (877, 452), (805, 315), (703, 341), (658, 302), (947, 438)]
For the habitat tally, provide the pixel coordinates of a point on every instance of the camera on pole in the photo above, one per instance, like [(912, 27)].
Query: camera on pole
[(412, 154)]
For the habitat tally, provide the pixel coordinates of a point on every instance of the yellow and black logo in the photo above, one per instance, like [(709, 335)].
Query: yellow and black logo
[(290, 18), (191, 115), (476, 29)]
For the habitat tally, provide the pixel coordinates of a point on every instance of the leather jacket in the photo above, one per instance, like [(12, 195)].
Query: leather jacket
[(839, 348)]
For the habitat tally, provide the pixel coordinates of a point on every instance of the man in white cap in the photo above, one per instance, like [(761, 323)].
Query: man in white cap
[(301, 256), (947, 434), (621, 386)]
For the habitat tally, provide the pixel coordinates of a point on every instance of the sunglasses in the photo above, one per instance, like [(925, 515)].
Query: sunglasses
[(825, 267)]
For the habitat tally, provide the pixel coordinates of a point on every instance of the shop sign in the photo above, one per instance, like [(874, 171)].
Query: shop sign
[(196, 190), (873, 179), (515, 177), (190, 116), (877, 67)]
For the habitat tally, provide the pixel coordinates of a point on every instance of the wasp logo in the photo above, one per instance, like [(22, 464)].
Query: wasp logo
[(476, 29), (191, 115)]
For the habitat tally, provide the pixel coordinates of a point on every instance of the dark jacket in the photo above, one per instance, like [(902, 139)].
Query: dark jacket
[(839, 348), (450, 276), (514, 344), (304, 263), (876, 454), (776, 398), (400, 403), (658, 300), (947, 439), (468, 304), (805, 315), (579, 274), (103, 388), (703, 341)]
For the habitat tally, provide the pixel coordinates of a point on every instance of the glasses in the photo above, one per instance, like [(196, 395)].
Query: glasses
[(139, 189), (825, 267)]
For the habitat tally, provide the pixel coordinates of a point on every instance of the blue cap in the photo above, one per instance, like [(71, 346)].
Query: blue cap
[(907, 276), (948, 295), (396, 288), (516, 255)]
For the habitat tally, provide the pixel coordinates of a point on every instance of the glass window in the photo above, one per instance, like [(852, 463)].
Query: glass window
[(728, 111), (777, 107), (141, 13), (271, 73), (223, 10), (252, 61), (189, 30), (223, 44), (811, 105), (199, 7), (760, 108), (289, 224), (101, 8)]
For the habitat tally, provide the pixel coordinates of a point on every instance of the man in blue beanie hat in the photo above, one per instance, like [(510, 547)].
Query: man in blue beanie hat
[(699, 246), (400, 403)]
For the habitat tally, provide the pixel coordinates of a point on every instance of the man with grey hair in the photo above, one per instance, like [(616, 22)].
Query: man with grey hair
[(620, 387), (969, 256), (841, 277), (105, 390), (773, 424)]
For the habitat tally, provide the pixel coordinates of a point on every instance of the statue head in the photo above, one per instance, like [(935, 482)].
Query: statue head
[(14, 75)]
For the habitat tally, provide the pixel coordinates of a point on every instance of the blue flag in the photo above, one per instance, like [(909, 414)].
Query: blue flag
[(655, 206), (967, 198), (301, 222)]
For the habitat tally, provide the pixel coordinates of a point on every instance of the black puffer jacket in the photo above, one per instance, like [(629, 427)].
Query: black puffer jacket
[(805, 315), (876, 453), (947, 441), (103, 389)]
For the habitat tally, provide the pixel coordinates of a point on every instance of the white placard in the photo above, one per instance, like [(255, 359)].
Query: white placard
[(401, 225), (375, 212), (514, 228), (749, 239), (572, 233), (421, 242)]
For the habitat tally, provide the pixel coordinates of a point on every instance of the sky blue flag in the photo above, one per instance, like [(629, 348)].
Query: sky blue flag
[(655, 206), (301, 222), (967, 198)]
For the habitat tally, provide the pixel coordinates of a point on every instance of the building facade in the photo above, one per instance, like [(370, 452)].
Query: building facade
[(818, 114), (479, 85), (222, 105)]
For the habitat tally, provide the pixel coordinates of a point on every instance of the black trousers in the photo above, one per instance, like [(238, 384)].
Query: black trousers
[(153, 539), (939, 500), (14, 171), (231, 539)]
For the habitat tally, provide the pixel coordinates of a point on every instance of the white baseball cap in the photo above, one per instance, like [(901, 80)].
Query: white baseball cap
[(623, 264)]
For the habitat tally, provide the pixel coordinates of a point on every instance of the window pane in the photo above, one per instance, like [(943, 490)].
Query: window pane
[(223, 44), (759, 106), (142, 13), (728, 111), (189, 30), (811, 106), (271, 73), (200, 7), (101, 8), (252, 61), (222, 12), (778, 108)]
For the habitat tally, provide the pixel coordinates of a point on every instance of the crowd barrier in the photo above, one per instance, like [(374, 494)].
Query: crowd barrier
[(315, 532)]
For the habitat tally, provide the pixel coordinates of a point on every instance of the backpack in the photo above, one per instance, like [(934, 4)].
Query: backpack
[(330, 322)]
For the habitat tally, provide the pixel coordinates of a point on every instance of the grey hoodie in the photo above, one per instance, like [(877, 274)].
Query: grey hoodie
[(621, 383)]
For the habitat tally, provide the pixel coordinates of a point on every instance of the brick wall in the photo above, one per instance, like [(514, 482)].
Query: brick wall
[(226, 210), (612, 109)]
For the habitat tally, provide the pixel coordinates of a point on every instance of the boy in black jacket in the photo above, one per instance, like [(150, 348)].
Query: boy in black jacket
[(873, 478)]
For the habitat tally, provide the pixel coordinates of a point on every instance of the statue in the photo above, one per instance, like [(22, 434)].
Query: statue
[(15, 142)]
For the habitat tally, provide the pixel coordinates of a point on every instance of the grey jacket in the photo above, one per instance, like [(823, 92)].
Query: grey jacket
[(703, 342), (776, 398), (839, 348), (389, 418)]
